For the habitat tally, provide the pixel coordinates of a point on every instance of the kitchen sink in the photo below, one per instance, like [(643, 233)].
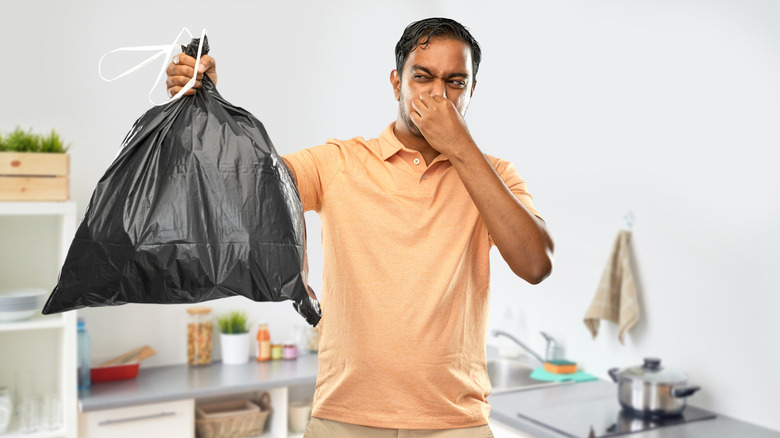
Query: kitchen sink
[(513, 375)]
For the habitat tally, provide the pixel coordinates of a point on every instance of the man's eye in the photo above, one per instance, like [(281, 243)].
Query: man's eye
[(420, 78), (458, 84)]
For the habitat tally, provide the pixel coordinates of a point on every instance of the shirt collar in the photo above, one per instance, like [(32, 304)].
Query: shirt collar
[(389, 144)]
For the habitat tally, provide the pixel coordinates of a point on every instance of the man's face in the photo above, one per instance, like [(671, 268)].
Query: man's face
[(442, 68)]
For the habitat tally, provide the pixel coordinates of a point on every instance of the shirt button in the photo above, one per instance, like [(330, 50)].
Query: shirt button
[(416, 161)]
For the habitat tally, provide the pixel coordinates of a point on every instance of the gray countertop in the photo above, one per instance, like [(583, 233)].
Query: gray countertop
[(505, 407), (176, 382)]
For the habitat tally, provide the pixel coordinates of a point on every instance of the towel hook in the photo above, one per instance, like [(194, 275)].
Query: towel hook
[(629, 217)]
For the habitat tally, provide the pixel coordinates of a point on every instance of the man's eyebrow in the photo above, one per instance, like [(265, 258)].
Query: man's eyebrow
[(427, 71)]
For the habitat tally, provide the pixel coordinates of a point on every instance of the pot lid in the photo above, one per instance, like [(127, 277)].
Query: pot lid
[(652, 371)]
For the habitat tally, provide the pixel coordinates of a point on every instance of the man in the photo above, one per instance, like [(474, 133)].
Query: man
[(408, 220)]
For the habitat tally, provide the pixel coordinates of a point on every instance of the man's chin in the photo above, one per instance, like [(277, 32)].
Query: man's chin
[(413, 129)]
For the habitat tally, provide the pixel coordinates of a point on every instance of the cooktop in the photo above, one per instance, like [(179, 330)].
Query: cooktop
[(603, 418)]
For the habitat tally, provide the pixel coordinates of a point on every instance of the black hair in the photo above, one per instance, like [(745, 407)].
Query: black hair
[(419, 34)]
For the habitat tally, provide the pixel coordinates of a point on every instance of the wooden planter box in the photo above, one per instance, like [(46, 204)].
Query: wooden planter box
[(29, 176)]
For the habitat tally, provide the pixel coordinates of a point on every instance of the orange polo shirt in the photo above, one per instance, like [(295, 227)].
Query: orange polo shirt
[(406, 274)]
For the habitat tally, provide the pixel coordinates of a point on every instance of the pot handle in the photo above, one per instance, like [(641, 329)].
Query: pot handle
[(613, 372), (684, 391)]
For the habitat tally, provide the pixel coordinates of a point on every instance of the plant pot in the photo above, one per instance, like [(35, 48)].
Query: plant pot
[(33, 176), (235, 348)]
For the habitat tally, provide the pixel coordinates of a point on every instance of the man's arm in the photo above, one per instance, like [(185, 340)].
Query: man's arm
[(521, 237)]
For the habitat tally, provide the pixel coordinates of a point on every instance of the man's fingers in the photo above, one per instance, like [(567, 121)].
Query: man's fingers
[(175, 90), (178, 81), (184, 59)]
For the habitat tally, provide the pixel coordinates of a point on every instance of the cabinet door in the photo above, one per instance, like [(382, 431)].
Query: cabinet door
[(169, 419)]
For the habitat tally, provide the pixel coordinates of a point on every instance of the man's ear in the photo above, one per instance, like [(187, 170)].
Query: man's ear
[(395, 80), (472, 88)]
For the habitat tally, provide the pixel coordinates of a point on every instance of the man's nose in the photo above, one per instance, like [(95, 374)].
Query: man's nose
[(439, 88)]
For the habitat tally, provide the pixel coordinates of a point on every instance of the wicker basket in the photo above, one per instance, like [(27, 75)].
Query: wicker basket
[(233, 419)]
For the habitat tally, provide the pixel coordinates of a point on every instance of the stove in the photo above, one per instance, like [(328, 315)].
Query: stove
[(604, 418)]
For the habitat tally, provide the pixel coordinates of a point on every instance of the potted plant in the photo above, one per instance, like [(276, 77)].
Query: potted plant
[(33, 167), (234, 337)]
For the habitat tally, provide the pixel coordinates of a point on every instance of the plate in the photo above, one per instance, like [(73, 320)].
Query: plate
[(17, 315)]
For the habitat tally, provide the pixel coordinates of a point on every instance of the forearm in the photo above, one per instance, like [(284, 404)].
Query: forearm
[(520, 236)]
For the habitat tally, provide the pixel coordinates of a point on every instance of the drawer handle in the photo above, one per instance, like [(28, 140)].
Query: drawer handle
[(139, 418)]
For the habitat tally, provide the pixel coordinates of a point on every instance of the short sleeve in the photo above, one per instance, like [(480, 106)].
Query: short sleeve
[(314, 169), (515, 183)]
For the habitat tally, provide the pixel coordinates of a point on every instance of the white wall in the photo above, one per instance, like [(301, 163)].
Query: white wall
[(666, 109)]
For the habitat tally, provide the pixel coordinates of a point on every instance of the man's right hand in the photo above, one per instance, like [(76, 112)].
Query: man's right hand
[(181, 69)]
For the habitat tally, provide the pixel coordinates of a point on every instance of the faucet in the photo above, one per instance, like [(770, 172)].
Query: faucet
[(518, 342)]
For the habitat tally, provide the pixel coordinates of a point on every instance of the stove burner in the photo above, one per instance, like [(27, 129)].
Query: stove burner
[(605, 418)]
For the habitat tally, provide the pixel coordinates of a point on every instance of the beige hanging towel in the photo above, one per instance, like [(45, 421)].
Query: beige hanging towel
[(616, 296)]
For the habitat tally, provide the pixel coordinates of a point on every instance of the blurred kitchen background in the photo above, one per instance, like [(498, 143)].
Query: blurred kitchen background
[(667, 109)]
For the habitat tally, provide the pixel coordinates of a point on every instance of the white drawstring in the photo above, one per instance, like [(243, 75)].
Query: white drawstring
[(165, 51)]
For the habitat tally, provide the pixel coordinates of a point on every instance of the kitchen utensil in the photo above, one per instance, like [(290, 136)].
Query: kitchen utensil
[(114, 372), (560, 366), (136, 355), (650, 390)]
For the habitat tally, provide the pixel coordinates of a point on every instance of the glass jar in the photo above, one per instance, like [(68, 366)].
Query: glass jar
[(289, 350), (276, 351), (199, 329)]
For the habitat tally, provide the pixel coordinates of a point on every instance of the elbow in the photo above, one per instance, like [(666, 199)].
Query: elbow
[(535, 271), (541, 271)]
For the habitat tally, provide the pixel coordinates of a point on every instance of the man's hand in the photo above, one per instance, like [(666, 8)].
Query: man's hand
[(440, 123), (181, 69)]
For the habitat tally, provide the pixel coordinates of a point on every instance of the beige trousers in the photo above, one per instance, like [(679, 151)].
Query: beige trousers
[(321, 428)]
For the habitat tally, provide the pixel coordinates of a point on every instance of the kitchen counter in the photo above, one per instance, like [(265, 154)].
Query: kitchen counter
[(177, 382), (504, 409)]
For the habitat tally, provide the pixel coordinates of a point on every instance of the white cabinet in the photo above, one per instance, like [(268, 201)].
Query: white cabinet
[(38, 356), (174, 419)]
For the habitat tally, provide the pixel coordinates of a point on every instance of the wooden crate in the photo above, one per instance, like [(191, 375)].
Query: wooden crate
[(29, 176)]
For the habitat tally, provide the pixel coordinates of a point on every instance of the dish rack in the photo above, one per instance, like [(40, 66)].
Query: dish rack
[(231, 419)]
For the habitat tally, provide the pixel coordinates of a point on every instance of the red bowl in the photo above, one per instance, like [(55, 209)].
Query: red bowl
[(114, 372)]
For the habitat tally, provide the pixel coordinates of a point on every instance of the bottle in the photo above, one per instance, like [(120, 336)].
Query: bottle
[(263, 342), (83, 355)]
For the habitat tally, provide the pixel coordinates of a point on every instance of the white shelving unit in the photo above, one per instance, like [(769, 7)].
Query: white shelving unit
[(42, 349)]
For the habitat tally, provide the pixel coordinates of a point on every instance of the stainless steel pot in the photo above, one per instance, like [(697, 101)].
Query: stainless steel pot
[(650, 390)]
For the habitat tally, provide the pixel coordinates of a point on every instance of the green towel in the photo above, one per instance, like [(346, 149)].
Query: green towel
[(579, 376)]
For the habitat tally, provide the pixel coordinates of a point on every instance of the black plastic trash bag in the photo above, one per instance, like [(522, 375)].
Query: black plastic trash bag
[(197, 206)]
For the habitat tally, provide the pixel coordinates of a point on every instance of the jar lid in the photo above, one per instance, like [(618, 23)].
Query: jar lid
[(651, 371), (199, 310)]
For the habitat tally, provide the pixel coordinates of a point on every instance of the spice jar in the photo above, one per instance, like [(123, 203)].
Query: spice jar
[(289, 350), (276, 351), (199, 336)]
